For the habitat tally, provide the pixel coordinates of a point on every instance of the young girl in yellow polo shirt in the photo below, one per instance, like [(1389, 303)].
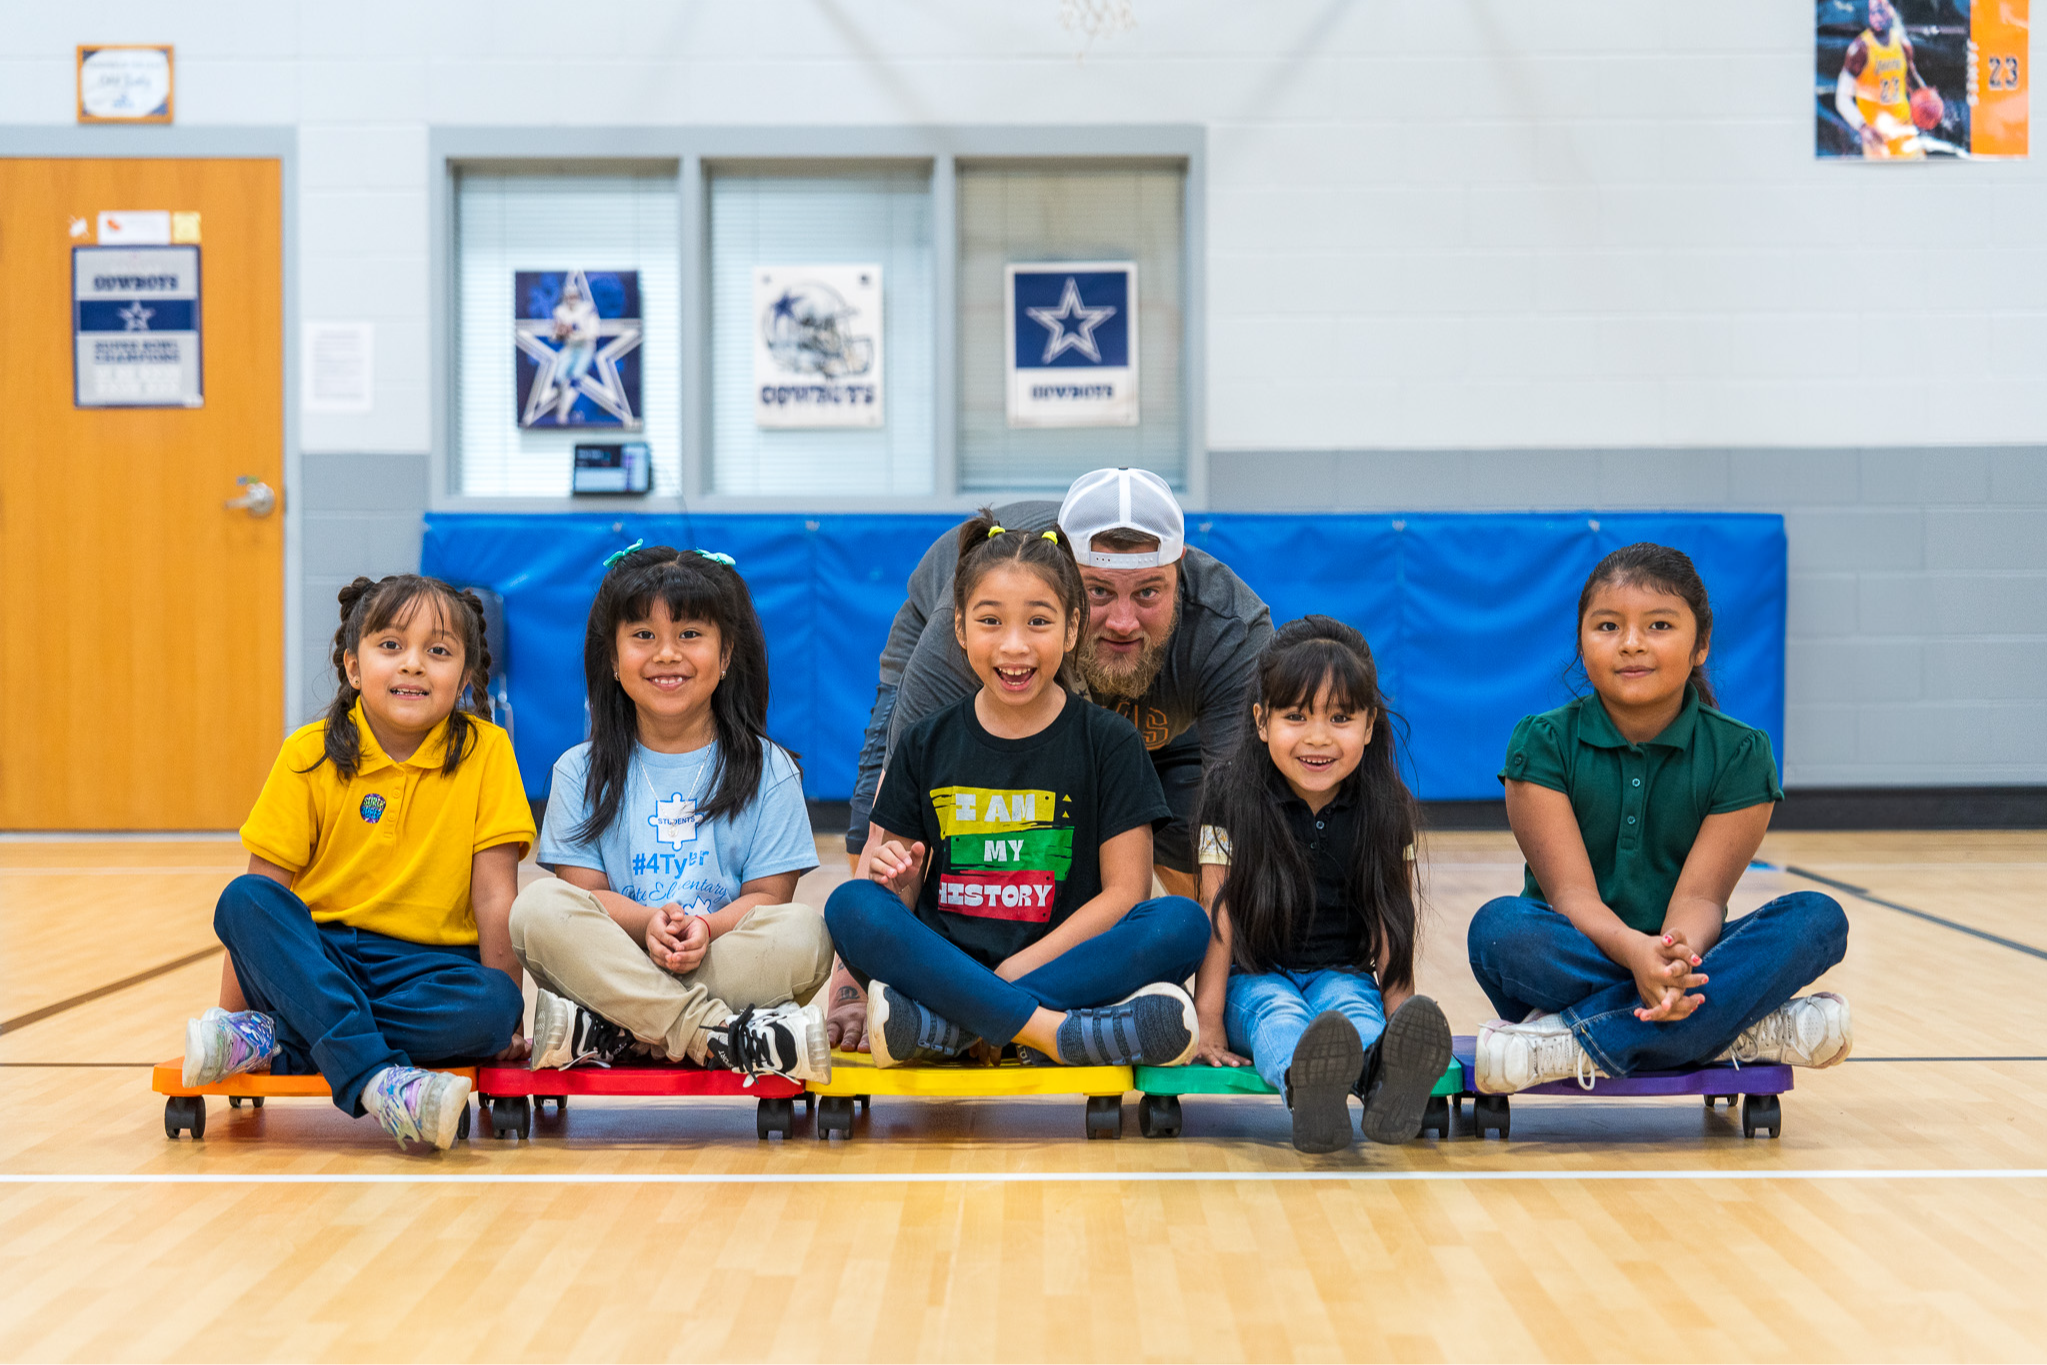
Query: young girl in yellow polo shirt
[(369, 933), (1638, 808)]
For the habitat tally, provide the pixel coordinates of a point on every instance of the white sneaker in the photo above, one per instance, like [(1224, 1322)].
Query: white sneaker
[(1511, 1057), (565, 1034), (1812, 1030), (781, 1040), (417, 1106)]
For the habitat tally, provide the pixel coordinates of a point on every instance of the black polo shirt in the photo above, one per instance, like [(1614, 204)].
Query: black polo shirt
[(1333, 935)]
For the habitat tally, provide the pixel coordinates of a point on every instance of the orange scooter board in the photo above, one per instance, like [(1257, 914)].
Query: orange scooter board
[(185, 1108)]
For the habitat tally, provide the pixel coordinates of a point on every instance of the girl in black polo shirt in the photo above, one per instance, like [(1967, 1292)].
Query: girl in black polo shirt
[(1638, 808), (1307, 852)]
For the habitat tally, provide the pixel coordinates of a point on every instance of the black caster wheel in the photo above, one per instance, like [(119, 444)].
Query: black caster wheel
[(1158, 1116), (184, 1113), (237, 1101), (1436, 1117), (1104, 1116), (511, 1116), (1712, 1100), (775, 1116), (560, 1103), (462, 1124), (866, 1102), (809, 1102), (835, 1115), (1490, 1114), (1759, 1112)]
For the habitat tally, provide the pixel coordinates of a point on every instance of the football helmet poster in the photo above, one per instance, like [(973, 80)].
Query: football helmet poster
[(576, 339), (1909, 80), (817, 356)]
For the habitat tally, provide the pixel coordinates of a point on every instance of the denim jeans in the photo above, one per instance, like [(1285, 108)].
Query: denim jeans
[(348, 1002), (878, 936), (1529, 957), (1265, 1014), (867, 776)]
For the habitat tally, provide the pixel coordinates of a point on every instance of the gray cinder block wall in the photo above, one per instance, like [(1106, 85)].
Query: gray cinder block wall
[(361, 515)]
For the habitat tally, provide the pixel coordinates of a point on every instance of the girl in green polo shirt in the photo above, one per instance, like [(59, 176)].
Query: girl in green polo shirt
[(1637, 809)]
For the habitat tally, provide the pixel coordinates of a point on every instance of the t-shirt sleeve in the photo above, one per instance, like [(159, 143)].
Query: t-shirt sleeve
[(503, 815), (1127, 791), (935, 677), (567, 807), (780, 840), (1229, 667), (1535, 753), (900, 805), (1747, 778), (284, 825), (1214, 848)]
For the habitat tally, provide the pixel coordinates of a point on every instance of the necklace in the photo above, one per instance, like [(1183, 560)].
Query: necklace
[(675, 819)]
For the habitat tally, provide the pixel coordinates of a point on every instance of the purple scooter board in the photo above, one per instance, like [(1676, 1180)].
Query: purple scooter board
[(1758, 1087)]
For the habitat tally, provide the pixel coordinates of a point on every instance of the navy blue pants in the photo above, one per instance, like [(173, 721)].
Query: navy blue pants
[(1530, 957), (348, 1002), (878, 937)]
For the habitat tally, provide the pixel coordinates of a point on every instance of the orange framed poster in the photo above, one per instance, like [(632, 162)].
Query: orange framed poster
[(126, 83)]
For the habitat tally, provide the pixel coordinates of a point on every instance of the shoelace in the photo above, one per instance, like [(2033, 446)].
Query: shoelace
[(753, 1044), (603, 1041)]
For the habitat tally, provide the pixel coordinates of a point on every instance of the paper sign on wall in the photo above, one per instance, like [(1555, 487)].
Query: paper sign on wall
[(817, 359), (1905, 80), (1071, 334), (339, 366), (135, 327)]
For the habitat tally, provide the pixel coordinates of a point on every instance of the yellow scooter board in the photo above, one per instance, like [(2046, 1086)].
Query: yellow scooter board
[(855, 1077)]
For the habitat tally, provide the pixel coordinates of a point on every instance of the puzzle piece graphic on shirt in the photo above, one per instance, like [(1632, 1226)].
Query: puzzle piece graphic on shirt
[(674, 820)]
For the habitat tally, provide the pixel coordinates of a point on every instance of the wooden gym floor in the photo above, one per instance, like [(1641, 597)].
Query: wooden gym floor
[(1902, 1216)]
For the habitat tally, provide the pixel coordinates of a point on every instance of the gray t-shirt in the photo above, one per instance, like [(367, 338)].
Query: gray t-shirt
[(1209, 665)]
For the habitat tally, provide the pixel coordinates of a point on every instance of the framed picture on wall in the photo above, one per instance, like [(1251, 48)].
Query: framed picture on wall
[(576, 348), (125, 83)]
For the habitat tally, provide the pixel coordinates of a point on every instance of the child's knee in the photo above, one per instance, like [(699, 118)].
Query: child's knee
[(1180, 928), (240, 906), (1820, 919), (541, 913), (853, 909), (810, 945), (504, 1004)]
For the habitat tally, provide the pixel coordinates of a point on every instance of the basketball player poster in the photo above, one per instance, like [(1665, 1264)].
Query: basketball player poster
[(1905, 80), (817, 346), (576, 346)]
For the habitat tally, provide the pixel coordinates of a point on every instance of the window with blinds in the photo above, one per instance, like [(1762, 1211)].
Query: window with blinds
[(853, 216), (1010, 212), (508, 221)]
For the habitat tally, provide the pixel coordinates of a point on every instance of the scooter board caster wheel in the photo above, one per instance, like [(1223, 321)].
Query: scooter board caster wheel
[(1104, 1116), (1158, 1116)]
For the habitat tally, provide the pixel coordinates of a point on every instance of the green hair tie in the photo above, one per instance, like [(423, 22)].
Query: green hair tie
[(617, 555), (726, 560)]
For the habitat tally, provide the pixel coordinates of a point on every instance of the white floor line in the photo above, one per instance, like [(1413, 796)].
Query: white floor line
[(1013, 1177)]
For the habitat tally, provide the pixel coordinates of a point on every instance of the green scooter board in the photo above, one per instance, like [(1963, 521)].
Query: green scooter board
[(1158, 1111)]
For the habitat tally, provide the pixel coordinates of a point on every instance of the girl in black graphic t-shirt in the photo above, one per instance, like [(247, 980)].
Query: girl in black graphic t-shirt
[(1001, 893)]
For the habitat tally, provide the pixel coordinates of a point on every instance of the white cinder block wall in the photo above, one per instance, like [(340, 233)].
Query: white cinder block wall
[(1461, 254)]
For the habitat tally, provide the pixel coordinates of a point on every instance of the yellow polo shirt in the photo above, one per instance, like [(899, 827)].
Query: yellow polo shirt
[(389, 850)]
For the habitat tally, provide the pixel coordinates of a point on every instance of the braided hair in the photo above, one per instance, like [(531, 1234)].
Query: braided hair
[(370, 605)]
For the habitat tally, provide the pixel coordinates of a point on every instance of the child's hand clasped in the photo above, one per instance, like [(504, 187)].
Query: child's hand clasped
[(893, 866), (676, 940), (1664, 965)]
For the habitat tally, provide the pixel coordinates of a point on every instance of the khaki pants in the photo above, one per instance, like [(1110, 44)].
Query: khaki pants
[(573, 948)]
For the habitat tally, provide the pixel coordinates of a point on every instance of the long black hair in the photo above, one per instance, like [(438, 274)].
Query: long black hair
[(1649, 565), (1269, 889), (986, 546), (371, 605), (698, 587)]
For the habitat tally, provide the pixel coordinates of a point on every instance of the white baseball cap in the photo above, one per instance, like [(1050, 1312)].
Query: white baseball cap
[(1128, 500)]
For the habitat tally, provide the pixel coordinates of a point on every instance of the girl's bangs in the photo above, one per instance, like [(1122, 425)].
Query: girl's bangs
[(1300, 675), (394, 608), (689, 596)]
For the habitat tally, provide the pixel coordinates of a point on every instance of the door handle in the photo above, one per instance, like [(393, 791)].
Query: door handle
[(258, 498)]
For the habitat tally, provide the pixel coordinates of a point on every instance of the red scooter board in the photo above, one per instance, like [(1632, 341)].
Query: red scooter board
[(184, 1109), (510, 1091), (1757, 1086)]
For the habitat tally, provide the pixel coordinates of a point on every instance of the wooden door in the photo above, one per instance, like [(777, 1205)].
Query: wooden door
[(141, 622)]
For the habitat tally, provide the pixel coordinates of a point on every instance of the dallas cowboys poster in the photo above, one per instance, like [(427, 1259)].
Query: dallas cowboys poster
[(1071, 335), (576, 341), (135, 327), (817, 346)]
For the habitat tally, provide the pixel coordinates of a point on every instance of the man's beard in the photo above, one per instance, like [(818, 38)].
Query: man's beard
[(1132, 679)]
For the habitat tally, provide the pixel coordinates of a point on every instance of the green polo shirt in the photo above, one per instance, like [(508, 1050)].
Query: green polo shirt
[(1640, 806)]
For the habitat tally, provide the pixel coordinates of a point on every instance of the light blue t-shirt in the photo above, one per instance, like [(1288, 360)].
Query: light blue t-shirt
[(656, 851)]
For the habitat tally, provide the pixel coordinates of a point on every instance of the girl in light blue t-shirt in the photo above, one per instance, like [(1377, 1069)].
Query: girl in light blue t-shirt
[(676, 836)]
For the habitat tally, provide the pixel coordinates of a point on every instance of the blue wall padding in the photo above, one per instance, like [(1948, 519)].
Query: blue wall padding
[(1471, 615)]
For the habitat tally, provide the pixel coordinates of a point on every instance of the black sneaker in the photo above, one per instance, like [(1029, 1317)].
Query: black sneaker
[(900, 1030), (1153, 1027), (566, 1034), (1326, 1064), (1401, 1070), (780, 1040)]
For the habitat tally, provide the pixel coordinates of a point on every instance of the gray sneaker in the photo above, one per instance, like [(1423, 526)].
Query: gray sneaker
[(900, 1030), (417, 1106), (1154, 1026)]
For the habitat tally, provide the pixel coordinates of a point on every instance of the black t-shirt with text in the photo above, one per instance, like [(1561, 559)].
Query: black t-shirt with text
[(1015, 826)]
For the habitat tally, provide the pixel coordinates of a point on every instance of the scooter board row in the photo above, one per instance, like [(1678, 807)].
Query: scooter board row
[(512, 1091), (184, 1108), (855, 1077), (1757, 1086), (1158, 1111)]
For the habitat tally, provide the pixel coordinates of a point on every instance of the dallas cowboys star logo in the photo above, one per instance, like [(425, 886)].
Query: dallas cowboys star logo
[(1062, 338), (602, 384), (137, 317)]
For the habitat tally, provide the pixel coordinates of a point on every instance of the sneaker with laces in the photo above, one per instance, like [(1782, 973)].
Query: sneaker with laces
[(900, 1030), (417, 1106), (1325, 1066), (220, 1044), (780, 1040), (1512, 1057), (1406, 1062), (566, 1034), (1811, 1030), (1155, 1026)]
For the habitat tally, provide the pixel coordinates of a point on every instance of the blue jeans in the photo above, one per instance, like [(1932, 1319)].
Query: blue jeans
[(877, 936), (1266, 1014), (1529, 957), (348, 1002)]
